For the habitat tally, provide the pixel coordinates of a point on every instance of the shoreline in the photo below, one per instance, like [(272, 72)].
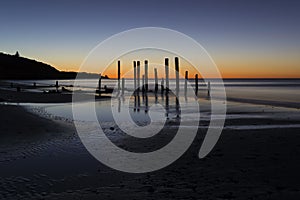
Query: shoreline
[(22, 129), (35, 97), (50, 162), (42, 157)]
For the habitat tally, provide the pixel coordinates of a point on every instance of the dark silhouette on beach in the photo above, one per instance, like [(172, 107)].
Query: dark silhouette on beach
[(17, 67)]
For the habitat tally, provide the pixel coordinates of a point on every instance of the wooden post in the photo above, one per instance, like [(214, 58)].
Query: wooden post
[(56, 86), (208, 89), (167, 73), (177, 75), (99, 86), (196, 84), (185, 82), (138, 75), (119, 75), (146, 76), (134, 75), (123, 86), (156, 80)]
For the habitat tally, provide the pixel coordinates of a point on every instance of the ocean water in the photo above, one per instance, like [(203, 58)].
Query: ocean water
[(246, 99), (283, 91)]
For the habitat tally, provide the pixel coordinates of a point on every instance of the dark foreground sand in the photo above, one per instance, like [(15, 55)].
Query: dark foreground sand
[(33, 97), (44, 159)]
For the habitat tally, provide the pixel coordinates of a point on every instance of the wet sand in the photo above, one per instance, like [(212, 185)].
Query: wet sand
[(34, 97), (44, 159)]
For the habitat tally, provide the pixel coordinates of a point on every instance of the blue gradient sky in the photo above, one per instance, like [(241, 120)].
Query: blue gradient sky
[(245, 38)]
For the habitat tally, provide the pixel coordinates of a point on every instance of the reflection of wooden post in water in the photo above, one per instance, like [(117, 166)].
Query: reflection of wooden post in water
[(177, 106), (162, 85), (134, 76), (119, 104), (123, 86), (185, 82), (138, 103), (196, 84), (156, 80), (99, 86), (177, 75), (119, 75), (167, 73), (167, 105), (147, 106), (138, 70), (143, 84), (208, 89), (156, 84), (135, 103), (146, 76)]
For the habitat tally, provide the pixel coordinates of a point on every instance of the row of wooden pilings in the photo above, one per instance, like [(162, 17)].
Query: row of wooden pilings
[(137, 75)]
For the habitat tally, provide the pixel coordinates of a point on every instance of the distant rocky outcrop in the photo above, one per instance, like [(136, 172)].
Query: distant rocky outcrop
[(17, 67)]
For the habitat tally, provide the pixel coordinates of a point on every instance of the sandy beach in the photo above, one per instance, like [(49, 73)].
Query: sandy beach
[(150, 100), (43, 158)]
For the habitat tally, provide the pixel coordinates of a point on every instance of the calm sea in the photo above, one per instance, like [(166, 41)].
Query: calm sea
[(260, 96), (282, 91)]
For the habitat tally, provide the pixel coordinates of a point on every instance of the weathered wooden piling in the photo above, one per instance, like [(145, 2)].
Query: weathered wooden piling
[(99, 86), (196, 84), (56, 86), (177, 75), (156, 80), (138, 71), (146, 75), (167, 73), (134, 75), (185, 82), (119, 75), (123, 86)]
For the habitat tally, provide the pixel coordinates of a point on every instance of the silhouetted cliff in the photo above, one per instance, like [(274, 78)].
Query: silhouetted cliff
[(16, 67)]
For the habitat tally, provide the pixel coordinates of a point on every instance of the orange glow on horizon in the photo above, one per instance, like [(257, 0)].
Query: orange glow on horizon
[(240, 66), (247, 71)]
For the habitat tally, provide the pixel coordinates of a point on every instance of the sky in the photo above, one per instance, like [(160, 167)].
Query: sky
[(247, 39)]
